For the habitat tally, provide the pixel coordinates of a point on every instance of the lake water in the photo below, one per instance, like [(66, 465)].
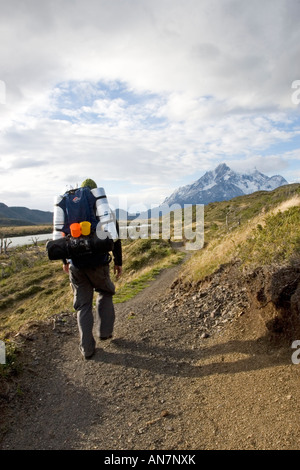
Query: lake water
[(29, 239)]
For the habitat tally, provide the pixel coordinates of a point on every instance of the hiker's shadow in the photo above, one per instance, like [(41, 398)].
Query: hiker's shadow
[(200, 362)]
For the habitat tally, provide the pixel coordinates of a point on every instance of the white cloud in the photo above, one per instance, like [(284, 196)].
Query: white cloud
[(229, 49), (145, 91)]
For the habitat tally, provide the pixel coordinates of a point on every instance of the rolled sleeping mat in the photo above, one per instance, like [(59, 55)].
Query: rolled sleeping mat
[(104, 215), (58, 219), (69, 247)]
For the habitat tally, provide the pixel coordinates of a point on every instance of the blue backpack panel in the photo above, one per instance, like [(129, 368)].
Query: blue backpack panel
[(78, 206)]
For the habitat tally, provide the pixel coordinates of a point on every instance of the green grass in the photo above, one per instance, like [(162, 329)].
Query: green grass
[(32, 288), (131, 288), (242, 209), (278, 241), (267, 238), (143, 259), (12, 366)]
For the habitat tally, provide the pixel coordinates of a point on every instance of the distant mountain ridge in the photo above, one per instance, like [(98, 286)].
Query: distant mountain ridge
[(23, 216), (223, 184), (218, 185)]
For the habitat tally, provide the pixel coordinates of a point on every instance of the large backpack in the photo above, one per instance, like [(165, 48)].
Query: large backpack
[(78, 206), (71, 210)]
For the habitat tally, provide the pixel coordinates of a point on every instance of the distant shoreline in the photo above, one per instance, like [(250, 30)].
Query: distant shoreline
[(20, 231)]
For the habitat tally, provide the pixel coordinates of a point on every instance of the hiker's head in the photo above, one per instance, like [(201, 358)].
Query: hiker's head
[(89, 183)]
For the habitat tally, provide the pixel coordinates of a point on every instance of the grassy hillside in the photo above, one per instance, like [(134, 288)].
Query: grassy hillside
[(23, 216), (222, 216), (258, 229)]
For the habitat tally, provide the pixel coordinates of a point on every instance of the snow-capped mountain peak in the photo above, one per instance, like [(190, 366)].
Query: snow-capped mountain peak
[(222, 184)]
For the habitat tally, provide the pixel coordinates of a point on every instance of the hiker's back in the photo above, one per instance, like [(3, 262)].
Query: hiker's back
[(84, 227)]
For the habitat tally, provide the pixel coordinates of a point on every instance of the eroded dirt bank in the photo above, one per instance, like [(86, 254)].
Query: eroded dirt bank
[(204, 366)]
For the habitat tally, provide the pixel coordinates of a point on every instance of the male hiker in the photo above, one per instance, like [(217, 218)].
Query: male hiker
[(87, 274)]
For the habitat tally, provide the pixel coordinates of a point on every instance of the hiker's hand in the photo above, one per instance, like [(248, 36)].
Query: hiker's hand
[(66, 268), (118, 271)]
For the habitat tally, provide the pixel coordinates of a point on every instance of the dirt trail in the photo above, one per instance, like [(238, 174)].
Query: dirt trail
[(159, 384)]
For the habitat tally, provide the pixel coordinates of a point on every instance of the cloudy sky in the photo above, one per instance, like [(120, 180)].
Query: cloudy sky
[(144, 96)]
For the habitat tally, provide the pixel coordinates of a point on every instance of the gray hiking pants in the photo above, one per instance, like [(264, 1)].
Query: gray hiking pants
[(84, 281)]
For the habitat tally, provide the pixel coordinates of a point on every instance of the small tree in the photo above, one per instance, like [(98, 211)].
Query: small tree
[(4, 245), (34, 240)]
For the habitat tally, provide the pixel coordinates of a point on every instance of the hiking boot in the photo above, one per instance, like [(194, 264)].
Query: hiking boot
[(87, 356), (103, 338)]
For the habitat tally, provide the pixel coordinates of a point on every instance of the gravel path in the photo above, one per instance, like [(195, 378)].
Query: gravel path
[(167, 380)]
